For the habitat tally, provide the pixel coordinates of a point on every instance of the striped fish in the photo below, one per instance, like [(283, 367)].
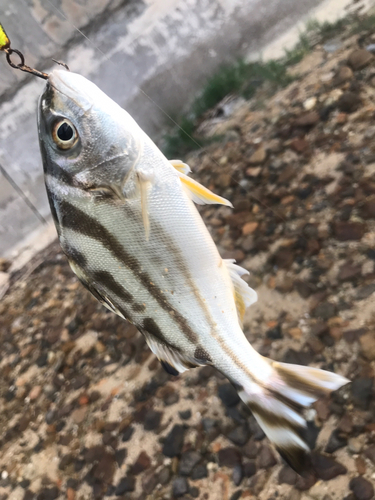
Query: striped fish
[(127, 222)]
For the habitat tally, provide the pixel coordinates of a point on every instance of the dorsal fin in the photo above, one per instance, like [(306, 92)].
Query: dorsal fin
[(244, 296)]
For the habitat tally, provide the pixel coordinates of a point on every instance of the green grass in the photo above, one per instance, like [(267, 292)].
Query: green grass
[(243, 79)]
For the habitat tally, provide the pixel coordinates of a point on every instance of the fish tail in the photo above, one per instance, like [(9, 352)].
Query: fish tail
[(277, 400)]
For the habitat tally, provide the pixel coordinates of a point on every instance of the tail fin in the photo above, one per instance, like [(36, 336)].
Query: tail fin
[(278, 400)]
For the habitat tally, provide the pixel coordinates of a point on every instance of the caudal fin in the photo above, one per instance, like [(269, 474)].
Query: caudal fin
[(278, 400)]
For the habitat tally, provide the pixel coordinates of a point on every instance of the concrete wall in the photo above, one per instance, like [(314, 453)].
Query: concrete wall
[(162, 48)]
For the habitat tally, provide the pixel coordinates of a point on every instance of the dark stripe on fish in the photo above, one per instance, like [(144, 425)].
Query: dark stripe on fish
[(51, 200), (297, 458), (272, 419), (105, 278), (76, 219), (153, 329), (202, 355)]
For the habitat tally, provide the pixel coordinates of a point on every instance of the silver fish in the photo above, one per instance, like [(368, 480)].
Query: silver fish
[(127, 223)]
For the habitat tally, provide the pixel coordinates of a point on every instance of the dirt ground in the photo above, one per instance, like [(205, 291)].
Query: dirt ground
[(86, 409)]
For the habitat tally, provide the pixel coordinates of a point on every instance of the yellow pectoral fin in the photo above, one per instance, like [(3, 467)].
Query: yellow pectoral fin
[(201, 195), (4, 40), (180, 166)]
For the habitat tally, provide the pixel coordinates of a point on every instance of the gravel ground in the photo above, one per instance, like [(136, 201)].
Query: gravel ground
[(86, 409)]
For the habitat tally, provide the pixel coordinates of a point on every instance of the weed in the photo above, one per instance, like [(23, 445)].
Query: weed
[(243, 79)]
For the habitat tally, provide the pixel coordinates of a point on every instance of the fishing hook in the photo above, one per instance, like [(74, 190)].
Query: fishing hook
[(21, 65)]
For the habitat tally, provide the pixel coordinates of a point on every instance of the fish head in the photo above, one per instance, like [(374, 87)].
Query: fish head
[(86, 139)]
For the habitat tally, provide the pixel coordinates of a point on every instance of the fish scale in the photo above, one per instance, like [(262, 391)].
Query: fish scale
[(126, 219)]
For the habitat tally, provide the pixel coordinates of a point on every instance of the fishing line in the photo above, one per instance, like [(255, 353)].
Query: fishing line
[(23, 195), (109, 59)]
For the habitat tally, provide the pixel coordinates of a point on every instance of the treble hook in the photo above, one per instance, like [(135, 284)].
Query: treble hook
[(5, 47)]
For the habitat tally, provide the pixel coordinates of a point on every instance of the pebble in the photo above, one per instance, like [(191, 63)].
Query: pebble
[(229, 457), (35, 392), (180, 486), (361, 392), (348, 231), (228, 395), (125, 485), (343, 75), (362, 488), (258, 156), (266, 457), (189, 459), (174, 441), (359, 58), (326, 468), (239, 435), (335, 442), (152, 420), (142, 463)]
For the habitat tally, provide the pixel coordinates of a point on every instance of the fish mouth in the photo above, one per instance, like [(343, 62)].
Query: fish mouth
[(71, 86)]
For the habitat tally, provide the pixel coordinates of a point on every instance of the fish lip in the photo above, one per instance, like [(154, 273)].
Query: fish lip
[(85, 103)]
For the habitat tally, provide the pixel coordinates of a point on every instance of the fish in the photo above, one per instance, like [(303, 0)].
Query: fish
[(126, 220)]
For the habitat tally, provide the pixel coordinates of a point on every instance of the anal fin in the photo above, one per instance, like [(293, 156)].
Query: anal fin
[(244, 296), (172, 361)]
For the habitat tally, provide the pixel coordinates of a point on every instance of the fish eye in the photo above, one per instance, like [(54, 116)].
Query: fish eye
[(64, 134)]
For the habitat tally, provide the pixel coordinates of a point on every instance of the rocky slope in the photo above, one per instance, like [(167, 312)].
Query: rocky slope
[(86, 409)]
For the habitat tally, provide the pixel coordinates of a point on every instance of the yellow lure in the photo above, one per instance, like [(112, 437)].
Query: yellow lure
[(4, 40)]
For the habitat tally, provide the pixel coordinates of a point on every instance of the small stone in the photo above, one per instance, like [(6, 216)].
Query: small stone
[(335, 442), (370, 453), (239, 435), (258, 482), (287, 475), (362, 488), (355, 444), (199, 472), (180, 486), (127, 433), (152, 420), (360, 464), (258, 156), (299, 145), (266, 457), (325, 310), (249, 468), (229, 457), (359, 58), (188, 461), (343, 75), (368, 208), (228, 395), (348, 272), (253, 171), (307, 120), (174, 441), (361, 392), (149, 482), (367, 342), (365, 291), (142, 463), (125, 485), (35, 392), (349, 102), (4, 265), (79, 415), (237, 475), (185, 415), (249, 228), (348, 231), (326, 468)]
